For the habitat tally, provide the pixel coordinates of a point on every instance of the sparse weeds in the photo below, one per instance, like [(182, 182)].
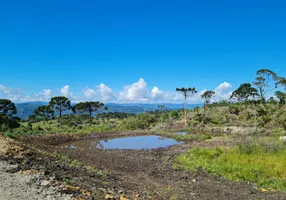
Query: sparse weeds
[(76, 163)]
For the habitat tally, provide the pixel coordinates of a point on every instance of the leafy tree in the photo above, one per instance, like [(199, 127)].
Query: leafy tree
[(88, 107), (282, 82), (174, 114), (186, 92), (44, 112), (207, 96), (7, 114), (161, 107), (60, 104), (266, 80), (32, 118), (281, 96), (197, 109), (272, 100), (244, 92)]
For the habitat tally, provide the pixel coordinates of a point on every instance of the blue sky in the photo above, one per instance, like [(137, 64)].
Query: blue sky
[(99, 50)]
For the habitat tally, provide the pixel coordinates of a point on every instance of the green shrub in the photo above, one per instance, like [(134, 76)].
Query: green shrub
[(174, 114), (234, 109), (165, 117)]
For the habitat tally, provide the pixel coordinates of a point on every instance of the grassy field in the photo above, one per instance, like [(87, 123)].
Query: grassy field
[(260, 161)]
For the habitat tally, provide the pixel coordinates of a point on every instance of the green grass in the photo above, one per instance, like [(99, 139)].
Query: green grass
[(264, 166), (184, 137), (52, 127)]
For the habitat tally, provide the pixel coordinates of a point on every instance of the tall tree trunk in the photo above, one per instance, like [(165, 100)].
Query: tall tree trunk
[(185, 109)]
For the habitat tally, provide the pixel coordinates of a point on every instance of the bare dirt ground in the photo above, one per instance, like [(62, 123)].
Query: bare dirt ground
[(28, 184), (135, 174)]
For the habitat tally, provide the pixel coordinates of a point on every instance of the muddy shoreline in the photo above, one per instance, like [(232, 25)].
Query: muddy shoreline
[(138, 174)]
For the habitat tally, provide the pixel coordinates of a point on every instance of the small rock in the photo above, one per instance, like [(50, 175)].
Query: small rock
[(45, 183), (194, 180), (61, 186), (109, 197), (122, 197), (110, 192), (29, 172), (120, 192), (264, 190), (19, 157)]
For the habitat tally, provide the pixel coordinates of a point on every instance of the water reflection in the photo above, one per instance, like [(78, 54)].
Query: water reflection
[(138, 142)]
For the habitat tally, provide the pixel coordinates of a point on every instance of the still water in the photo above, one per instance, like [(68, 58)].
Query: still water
[(137, 143)]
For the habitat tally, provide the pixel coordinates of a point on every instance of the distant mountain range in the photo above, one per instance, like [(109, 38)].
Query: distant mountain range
[(24, 110)]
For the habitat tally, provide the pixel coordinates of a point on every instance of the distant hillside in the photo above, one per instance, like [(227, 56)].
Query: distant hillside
[(27, 109), (24, 110)]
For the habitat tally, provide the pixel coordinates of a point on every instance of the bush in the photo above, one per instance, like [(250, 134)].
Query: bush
[(234, 109), (174, 114), (256, 146), (141, 121), (261, 110), (165, 117)]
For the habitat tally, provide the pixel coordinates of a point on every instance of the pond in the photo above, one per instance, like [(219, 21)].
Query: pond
[(136, 143)]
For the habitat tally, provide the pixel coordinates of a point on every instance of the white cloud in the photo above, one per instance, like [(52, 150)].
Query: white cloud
[(89, 93), (102, 92), (157, 94), (45, 95), (10, 93), (65, 91), (223, 91), (136, 92), (223, 87), (16, 94), (105, 92)]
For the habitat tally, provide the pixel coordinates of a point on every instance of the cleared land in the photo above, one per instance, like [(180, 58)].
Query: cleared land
[(133, 174)]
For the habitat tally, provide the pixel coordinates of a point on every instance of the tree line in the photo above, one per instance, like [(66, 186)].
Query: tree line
[(265, 81), (62, 104), (59, 105)]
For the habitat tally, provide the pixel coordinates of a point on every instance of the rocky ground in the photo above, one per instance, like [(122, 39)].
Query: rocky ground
[(25, 184)]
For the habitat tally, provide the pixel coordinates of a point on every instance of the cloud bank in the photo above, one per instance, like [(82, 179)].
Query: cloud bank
[(137, 92)]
